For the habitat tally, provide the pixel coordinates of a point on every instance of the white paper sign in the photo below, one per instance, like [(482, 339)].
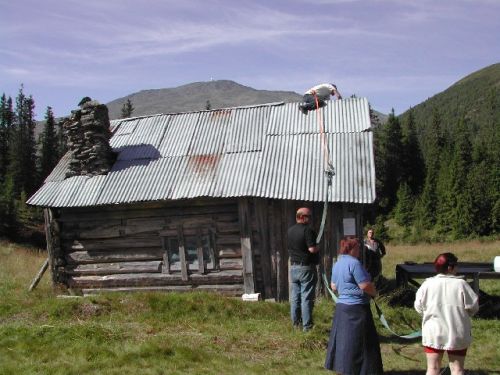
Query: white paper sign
[(349, 226)]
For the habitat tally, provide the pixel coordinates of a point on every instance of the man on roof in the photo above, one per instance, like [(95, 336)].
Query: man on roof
[(320, 92)]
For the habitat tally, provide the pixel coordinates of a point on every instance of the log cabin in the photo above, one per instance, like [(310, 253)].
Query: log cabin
[(203, 200)]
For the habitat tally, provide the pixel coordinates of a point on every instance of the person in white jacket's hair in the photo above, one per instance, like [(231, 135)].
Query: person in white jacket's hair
[(446, 303)]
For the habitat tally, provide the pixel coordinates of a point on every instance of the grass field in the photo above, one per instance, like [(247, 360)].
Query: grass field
[(200, 333)]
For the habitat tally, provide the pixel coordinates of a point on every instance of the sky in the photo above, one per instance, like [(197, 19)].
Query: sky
[(396, 53)]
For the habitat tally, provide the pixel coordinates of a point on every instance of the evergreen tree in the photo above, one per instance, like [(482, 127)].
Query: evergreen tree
[(403, 212), (8, 212), (49, 154), (22, 148), (388, 165), (445, 199), (462, 219), (427, 203), (6, 119), (127, 109), (412, 163)]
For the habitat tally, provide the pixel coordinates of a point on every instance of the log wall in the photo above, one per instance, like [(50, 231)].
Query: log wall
[(120, 248), (123, 248)]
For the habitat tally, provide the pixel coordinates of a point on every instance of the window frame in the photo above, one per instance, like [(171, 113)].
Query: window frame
[(202, 236)]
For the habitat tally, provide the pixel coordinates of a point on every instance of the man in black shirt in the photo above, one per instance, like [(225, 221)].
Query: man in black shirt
[(303, 254)]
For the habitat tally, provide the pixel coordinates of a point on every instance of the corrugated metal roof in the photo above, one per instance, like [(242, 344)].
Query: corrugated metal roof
[(271, 151)]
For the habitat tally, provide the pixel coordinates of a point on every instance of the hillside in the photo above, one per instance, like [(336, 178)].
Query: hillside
[(194, 96), (473, 98)]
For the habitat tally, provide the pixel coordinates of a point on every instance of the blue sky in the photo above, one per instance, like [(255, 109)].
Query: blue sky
[(396, 53)]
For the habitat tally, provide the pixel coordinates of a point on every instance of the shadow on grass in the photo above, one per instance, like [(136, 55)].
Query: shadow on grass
[(444, 372), (489, 306)]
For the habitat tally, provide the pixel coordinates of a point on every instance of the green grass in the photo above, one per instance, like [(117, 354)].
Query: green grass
[(198, 333)]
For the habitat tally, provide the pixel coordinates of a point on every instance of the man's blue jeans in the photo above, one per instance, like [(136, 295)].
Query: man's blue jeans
[(303, 293)]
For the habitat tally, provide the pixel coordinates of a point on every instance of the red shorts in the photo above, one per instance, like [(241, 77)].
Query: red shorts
[(460, 353)]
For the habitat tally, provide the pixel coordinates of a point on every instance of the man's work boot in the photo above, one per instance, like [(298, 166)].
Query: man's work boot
[(303, 109)]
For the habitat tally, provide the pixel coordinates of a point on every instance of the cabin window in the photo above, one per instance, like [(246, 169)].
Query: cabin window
[(189, 253)]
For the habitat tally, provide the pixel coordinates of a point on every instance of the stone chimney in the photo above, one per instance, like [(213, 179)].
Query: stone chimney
[(87, 134)]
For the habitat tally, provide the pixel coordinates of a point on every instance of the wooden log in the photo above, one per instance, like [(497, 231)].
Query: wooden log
[(227, 290), (92, 229), (232, 239), (39, 275), (87, 257), (127, 242), (155, 279), (114, 268), (229, 252), (143, 225), (231, 264), (246, 245), (135, 211)]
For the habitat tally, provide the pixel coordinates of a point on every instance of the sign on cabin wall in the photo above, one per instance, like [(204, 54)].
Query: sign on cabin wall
[(349, 226)]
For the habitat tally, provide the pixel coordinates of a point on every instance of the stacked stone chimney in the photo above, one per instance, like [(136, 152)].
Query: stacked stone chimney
[(87, 134)]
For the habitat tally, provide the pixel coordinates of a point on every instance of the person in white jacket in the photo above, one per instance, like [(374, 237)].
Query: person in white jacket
[(446, 303)]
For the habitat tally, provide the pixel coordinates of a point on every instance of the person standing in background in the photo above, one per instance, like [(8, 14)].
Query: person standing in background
[(374, 252)]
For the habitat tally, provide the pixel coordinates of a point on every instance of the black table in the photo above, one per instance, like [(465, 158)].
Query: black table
[(409, 271)]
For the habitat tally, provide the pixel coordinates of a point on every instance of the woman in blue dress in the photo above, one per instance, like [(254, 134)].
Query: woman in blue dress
[(354, 346)]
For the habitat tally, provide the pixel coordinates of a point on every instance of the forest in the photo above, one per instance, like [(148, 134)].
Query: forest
[(437, 165)]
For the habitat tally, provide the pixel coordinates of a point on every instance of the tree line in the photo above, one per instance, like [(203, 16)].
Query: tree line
[(25, 162), (437, 176)]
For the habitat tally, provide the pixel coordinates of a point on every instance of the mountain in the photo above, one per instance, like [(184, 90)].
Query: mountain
[(473, 99), (194, 97)]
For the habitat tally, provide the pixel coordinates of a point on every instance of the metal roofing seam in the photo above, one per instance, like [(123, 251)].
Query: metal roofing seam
[(266, 151)]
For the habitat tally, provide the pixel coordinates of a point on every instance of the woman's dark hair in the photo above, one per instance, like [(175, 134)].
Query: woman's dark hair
[(444, 262), (347, 244)]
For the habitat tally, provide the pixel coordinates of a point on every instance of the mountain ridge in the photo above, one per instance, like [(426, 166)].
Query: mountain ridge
[(194, 96)]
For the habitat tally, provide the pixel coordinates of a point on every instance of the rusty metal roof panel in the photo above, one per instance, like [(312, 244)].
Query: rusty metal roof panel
[(271, 151), (197, 178)]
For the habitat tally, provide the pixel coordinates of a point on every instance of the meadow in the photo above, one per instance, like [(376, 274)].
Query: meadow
[(201, 333)]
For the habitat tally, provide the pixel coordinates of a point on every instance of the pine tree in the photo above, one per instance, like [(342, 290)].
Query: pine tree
[(8, 213), (403, 212), (425, 212), (49, 155), (462, 223), (22, 148), (445, 200), (412, 164), (388, 166), (127, 109), (6, 119)]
